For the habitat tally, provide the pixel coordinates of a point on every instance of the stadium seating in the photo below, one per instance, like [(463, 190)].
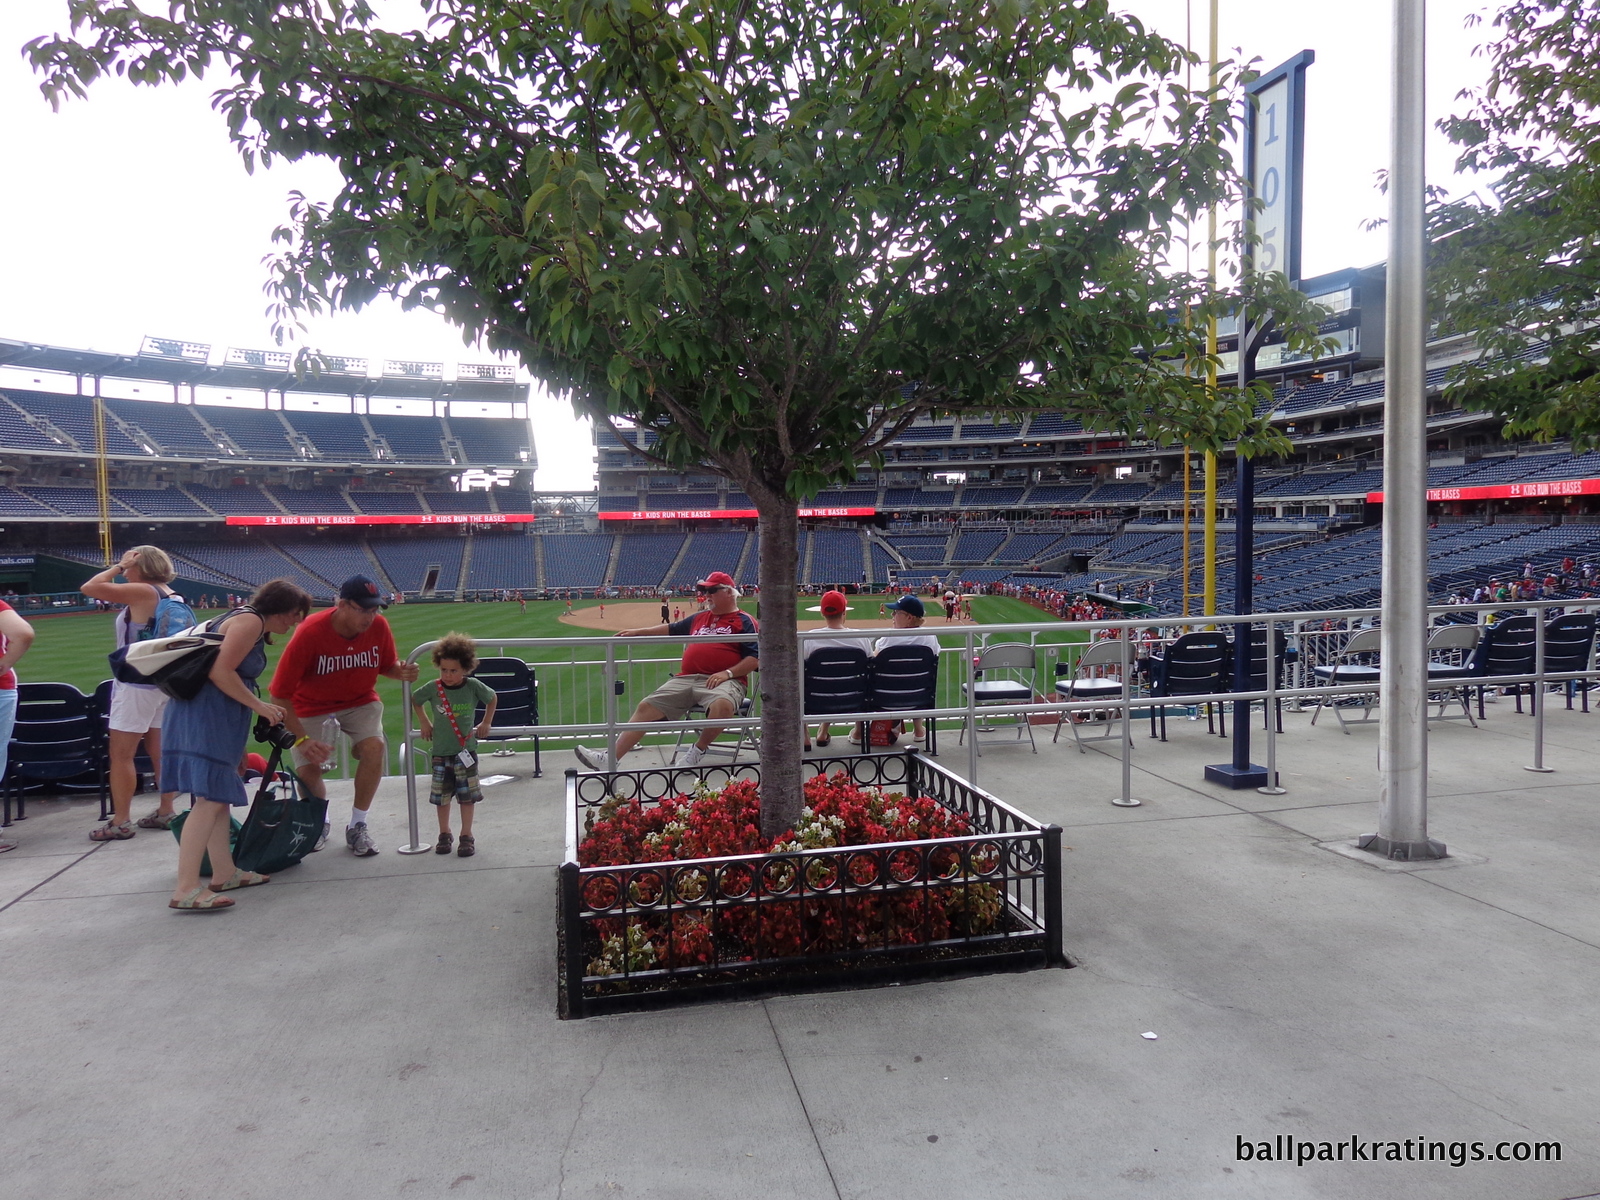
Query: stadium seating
[(497, 440), (977, 547), (249, 565), (386, 502), (644, 559), (1055, 495), (257, 432), (159, 502), (74, 501), (233, 501), (174, 427), (74, 416), (336, 435), (410, 439), (406, 560), (990, 497), (835, 556), (18, 504), (711, 550), (331, 561), (572, 560), (477, 501), (311, 502), (17, 433)]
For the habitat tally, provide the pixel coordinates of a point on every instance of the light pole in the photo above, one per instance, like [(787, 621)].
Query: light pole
[(1403, 684)]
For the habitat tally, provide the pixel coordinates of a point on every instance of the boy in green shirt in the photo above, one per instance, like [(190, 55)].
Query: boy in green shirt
[(445, 710)]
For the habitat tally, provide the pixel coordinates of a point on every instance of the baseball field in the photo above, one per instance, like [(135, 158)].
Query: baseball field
[(73, 648)]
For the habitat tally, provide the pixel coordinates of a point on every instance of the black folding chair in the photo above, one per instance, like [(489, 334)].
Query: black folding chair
[(905, 678), (838, 679), (1196, 664)]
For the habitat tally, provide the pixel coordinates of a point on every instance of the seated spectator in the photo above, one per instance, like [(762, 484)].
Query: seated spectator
[(834, 606), (712, 673), (907, 614)]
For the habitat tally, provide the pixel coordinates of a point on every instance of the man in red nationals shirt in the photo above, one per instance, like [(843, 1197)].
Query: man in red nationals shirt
[(712, 674), (326, 682)]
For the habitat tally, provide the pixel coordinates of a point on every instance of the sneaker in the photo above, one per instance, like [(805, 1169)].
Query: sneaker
[(594, 759), (323, 840), (689, 756), (360, 841)]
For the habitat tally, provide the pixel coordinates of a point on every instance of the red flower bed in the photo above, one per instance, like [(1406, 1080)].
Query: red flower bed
[(878, 903)]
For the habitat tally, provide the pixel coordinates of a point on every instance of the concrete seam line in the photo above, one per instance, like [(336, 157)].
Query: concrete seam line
[(804, 1109), (42, 882), (1424, 878), (276, 879)]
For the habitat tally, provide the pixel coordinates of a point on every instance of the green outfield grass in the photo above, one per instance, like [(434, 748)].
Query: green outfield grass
[(73, 648)]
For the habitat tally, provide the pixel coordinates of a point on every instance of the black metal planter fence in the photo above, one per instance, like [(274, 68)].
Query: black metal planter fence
[(986, 901)]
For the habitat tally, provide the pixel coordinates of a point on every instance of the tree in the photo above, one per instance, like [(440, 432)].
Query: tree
[(1520, 271), (775, 233)]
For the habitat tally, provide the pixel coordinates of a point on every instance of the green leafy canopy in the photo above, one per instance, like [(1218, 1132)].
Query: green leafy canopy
[(1520, 271), (777, 231)]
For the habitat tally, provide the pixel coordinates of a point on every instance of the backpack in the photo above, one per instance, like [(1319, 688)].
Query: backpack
[(172, 615)]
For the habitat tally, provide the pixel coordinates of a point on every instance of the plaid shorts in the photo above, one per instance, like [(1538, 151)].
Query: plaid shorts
[(450, 782)]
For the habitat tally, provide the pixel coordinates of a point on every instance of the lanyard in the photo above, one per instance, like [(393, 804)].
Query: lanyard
[(449, 712)]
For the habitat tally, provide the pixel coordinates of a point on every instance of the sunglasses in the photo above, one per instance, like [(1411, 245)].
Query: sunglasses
[(712, 590)]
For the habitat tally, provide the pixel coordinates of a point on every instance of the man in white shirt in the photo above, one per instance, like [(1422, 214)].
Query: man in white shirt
[(834, 606), (907, 613)]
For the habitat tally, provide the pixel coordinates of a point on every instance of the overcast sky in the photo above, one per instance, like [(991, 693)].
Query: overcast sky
[(131, 214)]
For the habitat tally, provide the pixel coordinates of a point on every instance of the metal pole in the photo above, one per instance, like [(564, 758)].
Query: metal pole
[(1403, 684), (416, 845), (1126, 800), (972, 711), (1273, 788), (1536, 696)]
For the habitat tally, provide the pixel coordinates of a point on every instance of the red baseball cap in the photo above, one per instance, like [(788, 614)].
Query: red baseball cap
[(717, 579), (834, 603)]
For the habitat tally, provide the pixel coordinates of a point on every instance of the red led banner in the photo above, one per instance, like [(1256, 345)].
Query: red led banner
[(707, 514), (389, 519), (1509, 491)]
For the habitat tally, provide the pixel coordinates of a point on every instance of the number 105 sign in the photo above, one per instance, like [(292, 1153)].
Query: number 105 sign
[(1274, 157)]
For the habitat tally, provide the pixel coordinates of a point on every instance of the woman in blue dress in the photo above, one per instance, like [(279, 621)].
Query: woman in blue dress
[(204, 741)]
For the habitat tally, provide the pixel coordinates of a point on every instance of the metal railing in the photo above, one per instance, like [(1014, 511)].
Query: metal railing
[(583, 682)]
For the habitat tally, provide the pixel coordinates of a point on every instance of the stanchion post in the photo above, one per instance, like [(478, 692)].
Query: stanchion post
[(416, 845), (1054, 953), (1273, 787), (1536, 696), (1126, 799), (972, 711)]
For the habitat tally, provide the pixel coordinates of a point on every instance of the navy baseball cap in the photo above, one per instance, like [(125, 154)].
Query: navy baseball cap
[(360, 590), (910, 604)]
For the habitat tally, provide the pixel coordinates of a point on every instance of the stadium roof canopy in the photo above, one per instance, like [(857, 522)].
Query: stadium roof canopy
[(176, 362)]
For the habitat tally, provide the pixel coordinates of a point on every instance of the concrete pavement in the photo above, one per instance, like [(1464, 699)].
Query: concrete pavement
[(386, 1027)]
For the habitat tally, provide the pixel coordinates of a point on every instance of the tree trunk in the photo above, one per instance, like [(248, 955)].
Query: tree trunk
[(781, 689)]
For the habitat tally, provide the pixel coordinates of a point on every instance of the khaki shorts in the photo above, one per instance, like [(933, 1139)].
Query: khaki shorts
[(358, 724), (683, 692)]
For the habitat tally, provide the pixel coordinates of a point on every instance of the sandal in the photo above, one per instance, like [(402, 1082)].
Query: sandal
[(469, 846), (157, 820), (112, 832), (444, 843), (824, 738), (240, 878), (193, 903)]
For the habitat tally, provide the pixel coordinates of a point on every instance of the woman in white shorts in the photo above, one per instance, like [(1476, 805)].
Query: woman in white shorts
[(136, 708)]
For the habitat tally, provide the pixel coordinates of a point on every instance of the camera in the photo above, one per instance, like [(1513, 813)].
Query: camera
[(279, 736)]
